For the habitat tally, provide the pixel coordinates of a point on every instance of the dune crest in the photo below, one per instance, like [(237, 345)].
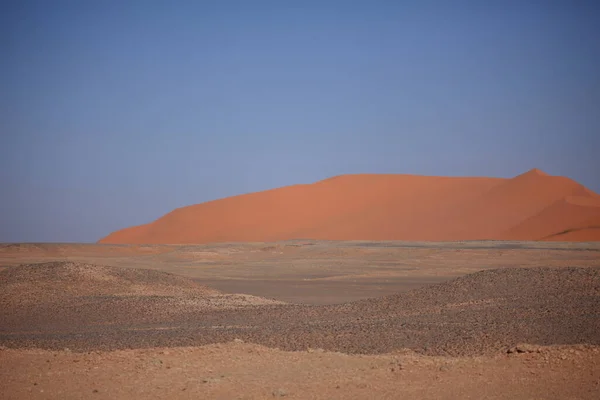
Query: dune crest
[(530, 206)]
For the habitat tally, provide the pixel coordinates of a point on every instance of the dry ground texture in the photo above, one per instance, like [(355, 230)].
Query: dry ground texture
[(248, 371), (301, 319)]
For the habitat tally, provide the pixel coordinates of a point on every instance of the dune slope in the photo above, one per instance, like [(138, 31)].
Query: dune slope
[(531, 206)]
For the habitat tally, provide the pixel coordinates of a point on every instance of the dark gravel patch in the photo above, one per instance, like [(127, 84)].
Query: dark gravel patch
[(481, 313)]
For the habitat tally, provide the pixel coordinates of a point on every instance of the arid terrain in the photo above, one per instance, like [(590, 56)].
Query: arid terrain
[(301, 319)]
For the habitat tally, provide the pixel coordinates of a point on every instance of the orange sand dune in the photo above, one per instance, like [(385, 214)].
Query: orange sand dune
[(531, 206), (569, 218)]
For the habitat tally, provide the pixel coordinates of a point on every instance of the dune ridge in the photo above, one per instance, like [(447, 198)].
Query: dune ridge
[(530, 206)]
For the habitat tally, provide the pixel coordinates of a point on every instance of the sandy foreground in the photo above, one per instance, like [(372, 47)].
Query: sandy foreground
[(239, 370)]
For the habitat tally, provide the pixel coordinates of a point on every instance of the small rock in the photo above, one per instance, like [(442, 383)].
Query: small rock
[(95, 391), (279, 393), (444, 368), (397, 365), (317, 350), (527, 348), (524, 348), (236, 340)]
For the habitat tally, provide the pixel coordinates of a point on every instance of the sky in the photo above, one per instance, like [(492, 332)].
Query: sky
[(113, 113)]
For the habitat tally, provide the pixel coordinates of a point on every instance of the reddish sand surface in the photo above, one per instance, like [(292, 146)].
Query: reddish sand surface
[(238, 370), (531, 206)]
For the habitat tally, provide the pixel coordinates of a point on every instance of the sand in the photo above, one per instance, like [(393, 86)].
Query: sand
[(246, 371), (531, 206)]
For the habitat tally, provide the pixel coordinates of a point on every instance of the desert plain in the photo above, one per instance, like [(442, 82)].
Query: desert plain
[(301, 319)]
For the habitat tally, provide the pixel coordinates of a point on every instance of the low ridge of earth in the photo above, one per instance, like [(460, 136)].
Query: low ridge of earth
[(102, 308), (313, 272)]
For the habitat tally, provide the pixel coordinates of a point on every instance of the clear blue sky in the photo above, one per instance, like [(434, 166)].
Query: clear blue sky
[(113, 113)]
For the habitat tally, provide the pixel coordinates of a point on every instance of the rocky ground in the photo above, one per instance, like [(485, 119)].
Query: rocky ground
[(73, 329), (87, 307)]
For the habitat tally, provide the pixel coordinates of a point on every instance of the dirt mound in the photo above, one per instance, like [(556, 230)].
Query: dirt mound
[(379, 207), (479, 313), (65, 295), (54, 280), (501, 285), (21, 247), (485, 312)]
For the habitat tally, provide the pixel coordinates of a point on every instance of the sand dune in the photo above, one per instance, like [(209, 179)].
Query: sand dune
[(55, 280), (531, 206), (561, 220)]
